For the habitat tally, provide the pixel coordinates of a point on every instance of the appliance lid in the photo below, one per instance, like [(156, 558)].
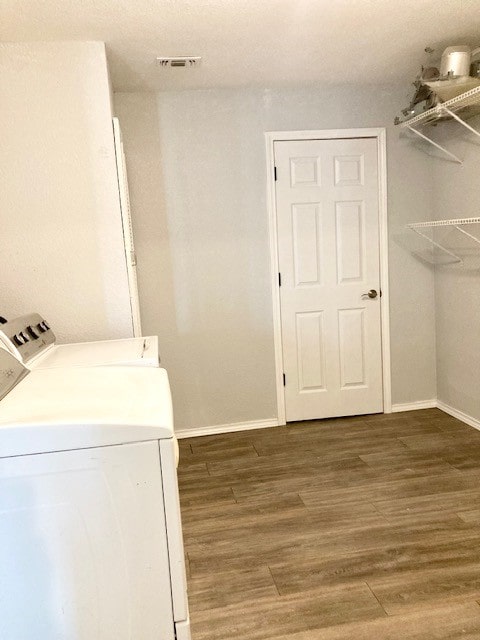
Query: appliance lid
[(88, 354), (63, 409)]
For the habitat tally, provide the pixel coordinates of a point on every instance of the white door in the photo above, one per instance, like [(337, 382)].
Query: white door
[(328, 247)]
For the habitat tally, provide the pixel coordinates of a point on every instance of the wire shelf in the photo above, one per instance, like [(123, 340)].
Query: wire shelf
[(466, 104), (443, 223), (469, 100), (448, 242)]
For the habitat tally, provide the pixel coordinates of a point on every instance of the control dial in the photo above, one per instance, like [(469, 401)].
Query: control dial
[(33, 332)]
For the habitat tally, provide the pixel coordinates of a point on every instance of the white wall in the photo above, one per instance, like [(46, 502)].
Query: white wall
[(61, 246), (457, 290), (196, 163)]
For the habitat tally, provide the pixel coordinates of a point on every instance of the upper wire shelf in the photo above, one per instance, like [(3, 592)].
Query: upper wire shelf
[(469, 100), (467, 104), (443, 223), (450, 241)]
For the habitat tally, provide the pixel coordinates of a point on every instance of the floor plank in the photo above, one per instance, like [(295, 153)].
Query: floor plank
[(455, 622), (375, 563), (417, 588), (264, 618), (216, 590)]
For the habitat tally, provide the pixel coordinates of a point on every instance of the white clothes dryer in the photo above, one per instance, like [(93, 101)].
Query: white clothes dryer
[(90, 535), (31, 340)]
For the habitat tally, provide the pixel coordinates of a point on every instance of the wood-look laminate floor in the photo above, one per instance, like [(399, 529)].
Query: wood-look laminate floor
[(364, 528)]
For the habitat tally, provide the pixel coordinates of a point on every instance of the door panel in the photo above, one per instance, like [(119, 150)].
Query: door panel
[(351, 331), (305, 172), (328, 245), (311, 350), (306, 243), (350, 241), (349, 171)]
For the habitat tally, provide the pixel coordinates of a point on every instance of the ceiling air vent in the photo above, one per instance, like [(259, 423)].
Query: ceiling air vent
[(179, 61)]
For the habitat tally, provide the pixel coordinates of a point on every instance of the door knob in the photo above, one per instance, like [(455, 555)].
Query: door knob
[(371, 294)]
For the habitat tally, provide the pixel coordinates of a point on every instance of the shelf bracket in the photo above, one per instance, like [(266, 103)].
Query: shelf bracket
[(435, 144), (436, 244), (462, 122), (472, 237)]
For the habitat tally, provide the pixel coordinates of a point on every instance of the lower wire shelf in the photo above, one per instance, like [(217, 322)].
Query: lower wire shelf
[(454, 241)]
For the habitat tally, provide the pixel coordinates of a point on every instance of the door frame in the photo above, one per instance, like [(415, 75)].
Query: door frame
[(330, 134)]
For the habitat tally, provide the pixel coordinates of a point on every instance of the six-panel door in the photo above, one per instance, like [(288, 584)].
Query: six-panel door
[(328, 244)]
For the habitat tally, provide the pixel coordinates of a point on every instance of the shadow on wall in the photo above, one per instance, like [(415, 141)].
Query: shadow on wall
[(153, 244), (197, 189), (427, 149)]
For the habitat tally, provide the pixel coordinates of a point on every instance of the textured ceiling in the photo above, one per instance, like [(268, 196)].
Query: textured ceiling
[(254, 42)]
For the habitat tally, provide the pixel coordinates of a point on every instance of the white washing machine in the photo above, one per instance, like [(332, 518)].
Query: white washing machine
[(31, 339), (90, 532)]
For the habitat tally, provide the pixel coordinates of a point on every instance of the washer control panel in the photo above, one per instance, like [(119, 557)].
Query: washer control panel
[(26, 337), (11, 372)]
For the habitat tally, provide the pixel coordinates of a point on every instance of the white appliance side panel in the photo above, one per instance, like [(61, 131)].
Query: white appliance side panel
[(151, 355), (182, 630), (174, 529), (83, 548), (130, 256)]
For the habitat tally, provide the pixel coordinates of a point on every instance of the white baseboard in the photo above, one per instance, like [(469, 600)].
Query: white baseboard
[(226, 428), (430, 404), (415, 406), (273, 422), (464, 417)]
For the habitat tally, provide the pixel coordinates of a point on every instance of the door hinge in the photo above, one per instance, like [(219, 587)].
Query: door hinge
[(284, 380), (279, 279), (275, 173)]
